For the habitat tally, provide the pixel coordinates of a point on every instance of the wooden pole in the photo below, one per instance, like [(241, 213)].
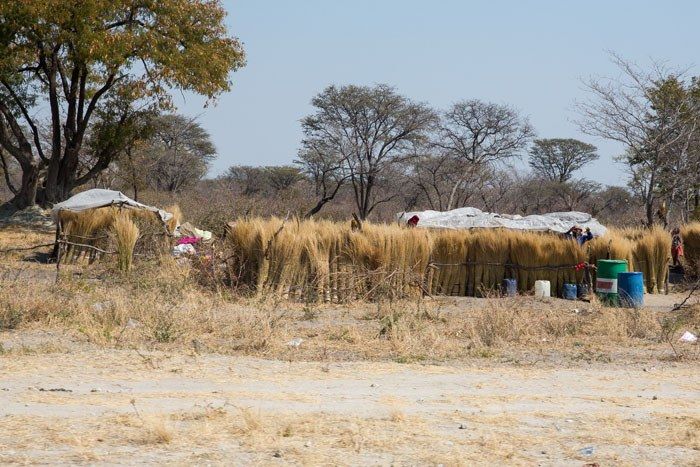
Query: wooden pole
[(57, 248)]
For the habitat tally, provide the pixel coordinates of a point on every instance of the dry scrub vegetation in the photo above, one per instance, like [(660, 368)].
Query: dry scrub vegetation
[(166, 304), (164, 307)]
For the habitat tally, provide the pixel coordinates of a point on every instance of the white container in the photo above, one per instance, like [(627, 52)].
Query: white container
[(542, 289)]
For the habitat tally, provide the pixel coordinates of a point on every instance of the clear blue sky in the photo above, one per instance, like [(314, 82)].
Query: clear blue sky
[(531, 55)]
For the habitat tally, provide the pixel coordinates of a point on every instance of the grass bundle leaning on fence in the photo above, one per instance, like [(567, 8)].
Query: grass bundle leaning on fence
[(125, 235), (651, 249), (690, 234)]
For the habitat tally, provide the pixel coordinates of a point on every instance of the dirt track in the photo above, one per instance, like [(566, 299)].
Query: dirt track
[(126, 407)]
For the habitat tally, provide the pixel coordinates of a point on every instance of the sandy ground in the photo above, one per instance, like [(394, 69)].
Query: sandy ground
[(63, 405)]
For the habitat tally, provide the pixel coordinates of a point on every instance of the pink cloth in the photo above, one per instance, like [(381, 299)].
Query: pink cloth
[(187, 240)]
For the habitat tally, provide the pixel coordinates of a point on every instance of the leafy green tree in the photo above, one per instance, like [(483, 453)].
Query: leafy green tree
[(557, 159), (78, 62)]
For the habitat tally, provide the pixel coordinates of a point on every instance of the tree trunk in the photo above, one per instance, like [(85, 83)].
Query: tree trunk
[(27, 194), (453, 193), (364, 207), (649, 205), (465, 176), (322, 202)]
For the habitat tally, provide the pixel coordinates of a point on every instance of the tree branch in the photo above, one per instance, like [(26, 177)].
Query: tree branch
[(25, 113), (6, 173)]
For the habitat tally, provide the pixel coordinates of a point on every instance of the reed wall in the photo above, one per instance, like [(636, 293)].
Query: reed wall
[(322, 260)]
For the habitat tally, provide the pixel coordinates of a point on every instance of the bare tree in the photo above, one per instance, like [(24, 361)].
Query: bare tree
[(435, 175), (366, 129), (496, 190), (558, 158), (480, 133), (181, 150), (531, 195), (572, 194), (654, 116), (329, 174), (614, 202), (266, 181)]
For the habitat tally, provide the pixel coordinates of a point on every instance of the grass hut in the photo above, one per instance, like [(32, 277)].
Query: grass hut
[(97, 221)]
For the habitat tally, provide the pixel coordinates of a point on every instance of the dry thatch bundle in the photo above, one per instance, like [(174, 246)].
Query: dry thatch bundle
[(449, 255), (319, 259), (247, 264), (545, 257), (690, 234), (489, 253), (651, 257), (125, 233), (314, 260), (611, 246), (391, 260)]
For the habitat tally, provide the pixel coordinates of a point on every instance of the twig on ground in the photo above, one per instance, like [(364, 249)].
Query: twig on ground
[(680, 305)]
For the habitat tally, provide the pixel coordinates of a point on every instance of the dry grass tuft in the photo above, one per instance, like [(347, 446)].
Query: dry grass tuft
[(252, 421), (397, 416), (156, 430)]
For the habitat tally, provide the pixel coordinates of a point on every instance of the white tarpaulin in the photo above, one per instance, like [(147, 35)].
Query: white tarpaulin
[(98, 198), (472, 218)]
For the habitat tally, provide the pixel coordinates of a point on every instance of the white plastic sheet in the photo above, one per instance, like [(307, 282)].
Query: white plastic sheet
[(689, 337), (472, 218), (98, 198)]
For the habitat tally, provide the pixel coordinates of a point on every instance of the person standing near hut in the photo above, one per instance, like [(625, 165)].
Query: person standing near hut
[(586, 237), (676, 246), (413, 221), (573, 233)]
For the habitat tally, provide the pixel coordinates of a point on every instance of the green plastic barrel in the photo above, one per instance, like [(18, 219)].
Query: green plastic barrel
[(606, 279)]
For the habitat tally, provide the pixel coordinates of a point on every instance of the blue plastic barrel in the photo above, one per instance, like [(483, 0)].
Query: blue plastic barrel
[(630, 286), (569, 291), (509, 287)]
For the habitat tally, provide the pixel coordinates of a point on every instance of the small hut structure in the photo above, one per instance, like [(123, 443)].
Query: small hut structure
[(96, 222)]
